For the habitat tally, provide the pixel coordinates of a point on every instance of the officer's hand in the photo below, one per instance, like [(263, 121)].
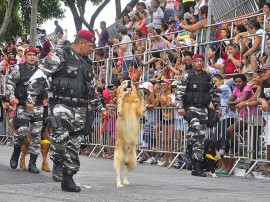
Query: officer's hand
[(265, 105), (182, 112), (219, 113), (30, 107), (14, 101)]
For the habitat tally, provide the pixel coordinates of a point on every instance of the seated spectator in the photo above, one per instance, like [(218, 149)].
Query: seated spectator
[(46, 47), (253, 27), (225, 34), (214, 57), (200, 24), (135, 71), (232, 62), (21, 58), (60, 40)]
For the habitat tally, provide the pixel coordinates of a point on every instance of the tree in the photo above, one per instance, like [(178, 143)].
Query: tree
[(78, 9), (33, 26), (117, 9), (7, 17)]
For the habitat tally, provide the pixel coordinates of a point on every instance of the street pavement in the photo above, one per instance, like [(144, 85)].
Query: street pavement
[(148, 183)]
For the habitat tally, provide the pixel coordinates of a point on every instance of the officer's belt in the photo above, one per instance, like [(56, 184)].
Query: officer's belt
[(196, 105), (68, 101)]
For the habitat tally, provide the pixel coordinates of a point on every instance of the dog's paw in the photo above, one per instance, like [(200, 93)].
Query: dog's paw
[(140, 93), (213, 174), (126, 182), (119, 185)]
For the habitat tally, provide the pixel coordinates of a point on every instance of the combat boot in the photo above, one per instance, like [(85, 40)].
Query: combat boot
[(57, 172), (188, 157), (15, 157), (197, 169), (32, 168), (68, 183)]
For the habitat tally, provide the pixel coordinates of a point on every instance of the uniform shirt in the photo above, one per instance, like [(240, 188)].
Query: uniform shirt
[(265, 90), (181, 92)]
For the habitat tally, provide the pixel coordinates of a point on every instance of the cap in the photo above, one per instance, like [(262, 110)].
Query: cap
[(166, 81), (265, 67), (151, 25), (87, 35), (185, 36), (195, 56), (30, 49), (147, 85), (186, 42)]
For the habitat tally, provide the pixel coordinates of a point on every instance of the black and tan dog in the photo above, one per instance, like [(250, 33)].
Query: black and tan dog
[(214, 150), (44, 144)]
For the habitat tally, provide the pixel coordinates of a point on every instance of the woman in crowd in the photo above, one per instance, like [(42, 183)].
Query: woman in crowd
[(142, 23), (128, 24), (214, 57)]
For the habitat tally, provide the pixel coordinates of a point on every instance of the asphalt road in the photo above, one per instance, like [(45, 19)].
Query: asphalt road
[(148, 183)]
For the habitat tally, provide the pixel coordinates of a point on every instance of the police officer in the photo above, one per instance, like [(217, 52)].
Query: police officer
[(16, 91), (194, 93), (71, 74)]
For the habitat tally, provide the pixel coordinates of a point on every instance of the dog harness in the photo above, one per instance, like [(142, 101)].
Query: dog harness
[(210, 156)]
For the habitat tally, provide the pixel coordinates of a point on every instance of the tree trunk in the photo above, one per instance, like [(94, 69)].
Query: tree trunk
[(76, 16), (124, 12), (96, 13), (33, 26), (117, 9), (7, 17)]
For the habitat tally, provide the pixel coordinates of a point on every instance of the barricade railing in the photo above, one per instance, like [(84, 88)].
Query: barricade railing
[(162, 130)]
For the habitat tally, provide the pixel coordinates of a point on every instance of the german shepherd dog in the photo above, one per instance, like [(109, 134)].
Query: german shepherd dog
[(130, 108)]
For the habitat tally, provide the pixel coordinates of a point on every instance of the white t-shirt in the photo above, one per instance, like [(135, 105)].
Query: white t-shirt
[(213, 70), (128, 52)]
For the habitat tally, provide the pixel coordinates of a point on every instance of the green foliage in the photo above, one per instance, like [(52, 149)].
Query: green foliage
[(47, 9), (15, 24)]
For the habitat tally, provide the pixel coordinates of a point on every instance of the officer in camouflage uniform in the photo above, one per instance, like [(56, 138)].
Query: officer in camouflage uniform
[(71, 74), (194, 93), (16, 91)]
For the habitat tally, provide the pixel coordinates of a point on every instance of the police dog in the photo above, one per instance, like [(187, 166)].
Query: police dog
[(130, 108), (214, 150), (44, 143)]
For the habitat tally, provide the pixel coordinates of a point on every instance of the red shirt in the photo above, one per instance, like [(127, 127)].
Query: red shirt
[(143, 30), (229, 66)]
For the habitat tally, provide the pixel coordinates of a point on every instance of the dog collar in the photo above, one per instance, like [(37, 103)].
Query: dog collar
[(211, 157)]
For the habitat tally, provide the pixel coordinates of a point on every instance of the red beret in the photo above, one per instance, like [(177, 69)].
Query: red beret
[(30, 49), (87, 35), (195, 56)]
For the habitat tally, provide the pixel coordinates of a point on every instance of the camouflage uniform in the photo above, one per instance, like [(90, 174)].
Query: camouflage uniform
[(16, 87), (194, 94), (67, 103)]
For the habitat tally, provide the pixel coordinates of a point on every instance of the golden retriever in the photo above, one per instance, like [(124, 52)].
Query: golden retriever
[(130, 108)]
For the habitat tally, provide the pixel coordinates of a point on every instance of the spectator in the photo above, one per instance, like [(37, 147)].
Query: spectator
[(187, 4), (158, 14), (21, 58), (266, 9), (232, 62), (128, 24), (131, 12), (60, 40), (126, 46), (142, 23), (169, 10), (104, 35), (253, 27), (47, 47), (57, 27), (214, 57), (200, 24)]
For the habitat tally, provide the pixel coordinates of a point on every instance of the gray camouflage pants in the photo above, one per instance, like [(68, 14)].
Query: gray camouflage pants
[(24, 120), (196, 130), (66, 136)]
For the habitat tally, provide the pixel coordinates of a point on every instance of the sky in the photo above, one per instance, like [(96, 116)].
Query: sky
[(107, 15)]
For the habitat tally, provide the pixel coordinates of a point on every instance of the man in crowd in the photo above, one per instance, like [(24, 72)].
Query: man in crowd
[(158, 14), (57, 27), (72, 73), (16, 91), (104, 35), (194, 93)]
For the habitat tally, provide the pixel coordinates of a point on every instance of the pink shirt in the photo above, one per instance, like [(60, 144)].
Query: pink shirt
[(239, 94)]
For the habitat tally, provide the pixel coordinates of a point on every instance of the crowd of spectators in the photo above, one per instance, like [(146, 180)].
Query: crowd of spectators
[(155, 48)]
